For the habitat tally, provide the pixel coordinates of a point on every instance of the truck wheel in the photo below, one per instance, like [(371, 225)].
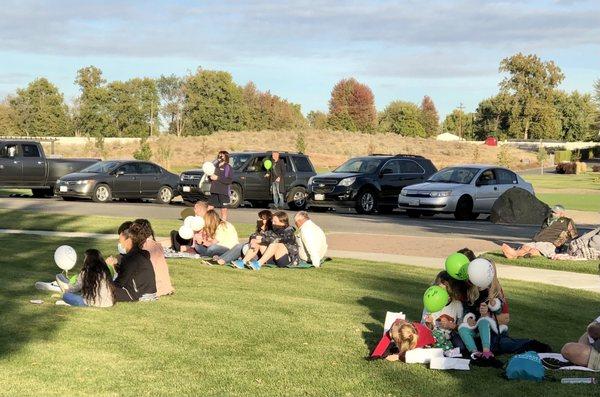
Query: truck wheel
[(366, 202), (165, 195), (102, 193), (297, 198), (464, 208), (42, 193), (236, 197)]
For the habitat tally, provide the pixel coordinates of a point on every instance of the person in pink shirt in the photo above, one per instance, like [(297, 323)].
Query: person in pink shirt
[(157, 257)]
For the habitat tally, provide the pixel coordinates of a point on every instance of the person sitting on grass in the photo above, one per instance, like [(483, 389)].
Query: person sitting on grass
[(264, 224), (157, 257), (279, 246), (179, 244), (556, 231), (218, 236), (585, 352), (94, 283), (312, 242), (408, 336), (136, 280)]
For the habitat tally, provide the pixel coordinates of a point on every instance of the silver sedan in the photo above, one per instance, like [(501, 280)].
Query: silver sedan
[(465, 191)]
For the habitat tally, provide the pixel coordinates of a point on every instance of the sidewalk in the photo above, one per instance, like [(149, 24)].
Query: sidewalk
[(405, 250)]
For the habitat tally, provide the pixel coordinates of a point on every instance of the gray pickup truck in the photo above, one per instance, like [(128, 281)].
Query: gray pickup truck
[(23, 165)]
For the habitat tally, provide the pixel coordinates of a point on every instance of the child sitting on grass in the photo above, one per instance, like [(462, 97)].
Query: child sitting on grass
[(94, 282), (408, 336)]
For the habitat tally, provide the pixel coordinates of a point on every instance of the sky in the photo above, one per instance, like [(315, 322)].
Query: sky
[(403, 49)]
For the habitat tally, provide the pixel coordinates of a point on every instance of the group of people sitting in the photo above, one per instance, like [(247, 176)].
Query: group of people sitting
[(275, 241), (138, 273), (558, 239)]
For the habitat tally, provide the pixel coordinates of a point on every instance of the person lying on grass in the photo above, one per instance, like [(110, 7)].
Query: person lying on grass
[(408, 336), (279, 246), (557, 230), (264, 224), (218, 236), (179, 244), (94, 286), (157, 257), (136, 280)]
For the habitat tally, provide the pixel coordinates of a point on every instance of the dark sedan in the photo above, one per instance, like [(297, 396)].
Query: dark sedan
[(123, 179)]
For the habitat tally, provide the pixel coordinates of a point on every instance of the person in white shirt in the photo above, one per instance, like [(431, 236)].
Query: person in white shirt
[(312, 242)]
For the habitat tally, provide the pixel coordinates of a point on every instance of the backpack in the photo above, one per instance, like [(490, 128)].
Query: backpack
[(525, 366)]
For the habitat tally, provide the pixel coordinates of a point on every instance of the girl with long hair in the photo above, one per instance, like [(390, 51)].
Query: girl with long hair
[(264, 224), (220, 185), (157, 257), (218, 236)]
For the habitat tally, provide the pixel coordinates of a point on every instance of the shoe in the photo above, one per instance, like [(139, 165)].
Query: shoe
[(554, 363), (63, 282), (485, 360), (51, 287), (238, 264), (254, 265), (61, 302)]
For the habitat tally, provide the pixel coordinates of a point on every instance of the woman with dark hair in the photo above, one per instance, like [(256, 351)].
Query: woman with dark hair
[(157, 257), (263, 225), (94, 283), (220, 185), (136, 280)]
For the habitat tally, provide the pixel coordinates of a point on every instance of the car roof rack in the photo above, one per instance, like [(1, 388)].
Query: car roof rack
[(409, 155), (380, 154)]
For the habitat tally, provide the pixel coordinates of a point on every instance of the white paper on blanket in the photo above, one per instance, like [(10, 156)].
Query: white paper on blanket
[(559, 356), (446, 363), (422, 356), (390, 317)]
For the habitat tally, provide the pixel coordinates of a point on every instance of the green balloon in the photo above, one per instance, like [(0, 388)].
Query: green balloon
[(73, 279), (435, 298), (457, 266), (268, 164)]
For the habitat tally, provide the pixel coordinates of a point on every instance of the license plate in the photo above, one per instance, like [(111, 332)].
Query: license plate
[(187, 189), (63, 188), (414, 202), (319, 197)]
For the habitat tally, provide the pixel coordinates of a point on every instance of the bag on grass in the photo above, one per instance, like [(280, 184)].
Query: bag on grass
[(525, 366)]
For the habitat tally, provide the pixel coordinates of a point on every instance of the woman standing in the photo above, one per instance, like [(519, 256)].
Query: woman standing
[(220, 186)]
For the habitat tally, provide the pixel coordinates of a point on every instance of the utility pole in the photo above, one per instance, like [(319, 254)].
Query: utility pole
[(460, 120)]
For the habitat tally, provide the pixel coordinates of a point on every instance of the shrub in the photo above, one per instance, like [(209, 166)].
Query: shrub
[(144, 152), (561, 156)]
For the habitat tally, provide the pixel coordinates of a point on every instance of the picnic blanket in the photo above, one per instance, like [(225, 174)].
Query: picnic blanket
[(559, 356), (170, 253)]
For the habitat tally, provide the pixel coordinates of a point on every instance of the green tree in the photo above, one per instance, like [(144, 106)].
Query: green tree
[(144, 152), (430, 120), (317, 119), (402, 118), (270, 112), (92, 117), (531, 83), (578, 115), (133, 107), (460, 123), (352, 107), (213, 102), (8, 120), (492, 117), (40, 110), (171, 90)]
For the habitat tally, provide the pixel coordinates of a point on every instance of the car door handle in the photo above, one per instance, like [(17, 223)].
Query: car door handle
[(40, 162), (495, 188)]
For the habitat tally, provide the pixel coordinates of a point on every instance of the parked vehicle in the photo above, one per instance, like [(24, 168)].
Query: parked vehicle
[(23, 165), (125, 179), (370, 183), (249, 181), (465, 191)]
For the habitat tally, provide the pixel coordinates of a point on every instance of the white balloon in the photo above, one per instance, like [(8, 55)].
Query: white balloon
[(245, 249), (188, 221), (186, 232), (208, 168), (65, 257), (196, 223), (481, 272)]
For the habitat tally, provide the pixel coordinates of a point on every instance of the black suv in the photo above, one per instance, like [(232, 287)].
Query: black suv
[(369, 183), (250, 183)]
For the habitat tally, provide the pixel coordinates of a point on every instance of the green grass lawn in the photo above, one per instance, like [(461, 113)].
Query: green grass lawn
[(562, 182), (230, 332), (581, 202), (33, 220), (588, 267)]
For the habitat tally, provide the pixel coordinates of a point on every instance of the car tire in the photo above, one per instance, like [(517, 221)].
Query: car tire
[(414, 213), (102, 193), (42, 193), (236, 198), (464, 208), (366, 202), (297, 198), (385, 209), (474, 216), (165, 195)]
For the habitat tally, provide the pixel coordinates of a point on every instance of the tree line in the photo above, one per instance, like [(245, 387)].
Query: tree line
[(528, 105)]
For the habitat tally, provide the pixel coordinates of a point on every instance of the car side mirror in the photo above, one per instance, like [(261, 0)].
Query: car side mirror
[(119, 173)]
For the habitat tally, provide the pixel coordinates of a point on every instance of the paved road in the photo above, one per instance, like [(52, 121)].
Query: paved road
[(396, 224)]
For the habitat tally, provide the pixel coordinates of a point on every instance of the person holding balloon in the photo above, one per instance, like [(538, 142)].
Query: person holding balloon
[(180, 244), (276, 175), (220, 185)]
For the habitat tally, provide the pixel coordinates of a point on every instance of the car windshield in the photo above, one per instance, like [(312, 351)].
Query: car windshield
[(101, 168), (364, 166), (454, 175)]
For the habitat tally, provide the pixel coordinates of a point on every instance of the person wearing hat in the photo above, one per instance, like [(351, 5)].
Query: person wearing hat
[(557, 230)]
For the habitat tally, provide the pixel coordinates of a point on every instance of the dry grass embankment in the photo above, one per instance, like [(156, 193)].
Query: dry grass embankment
[(327, 149)]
